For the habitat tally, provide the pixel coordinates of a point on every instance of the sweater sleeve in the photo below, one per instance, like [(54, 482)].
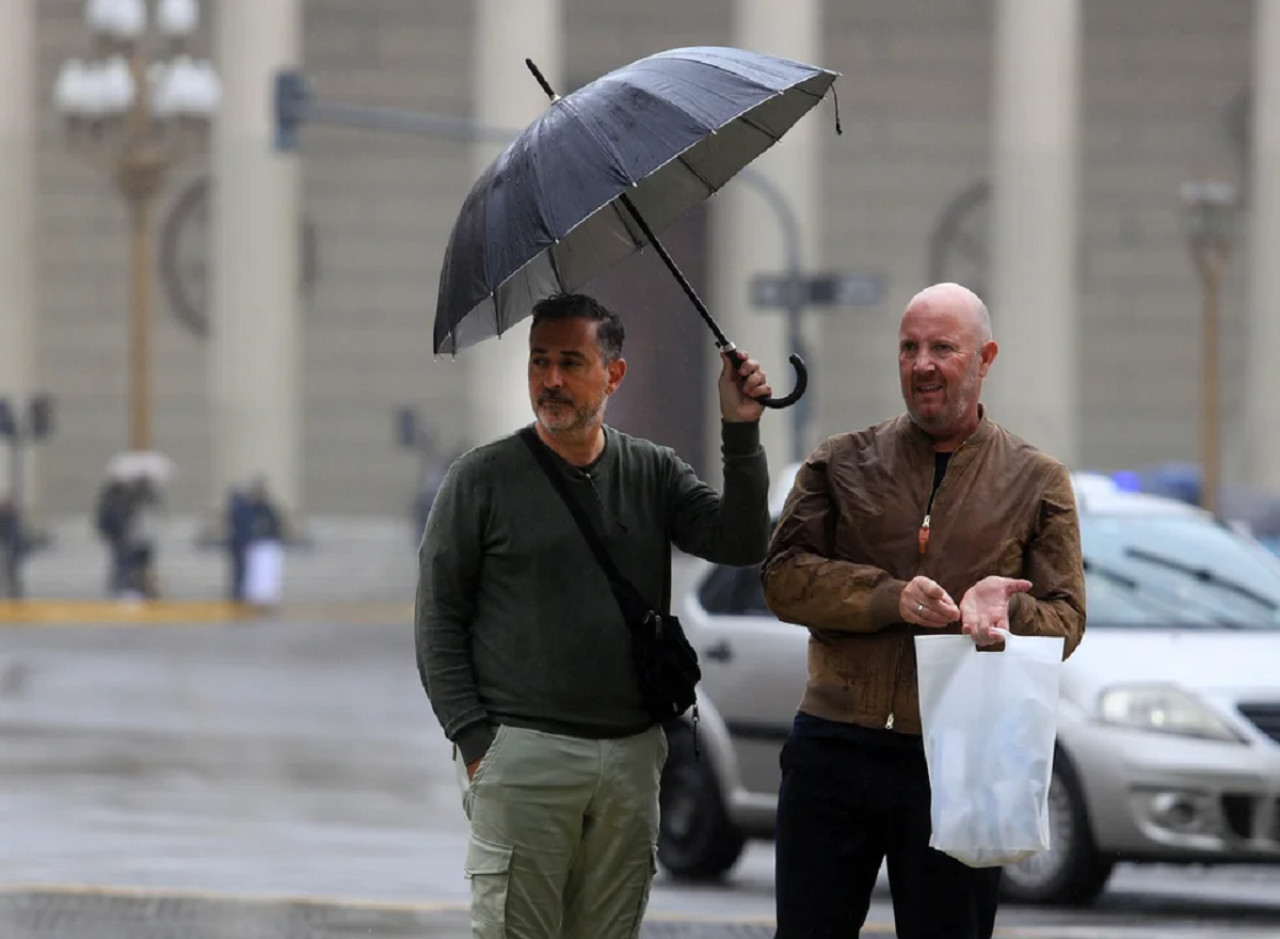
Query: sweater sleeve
[(732, 528), (1054, 565), (804, 583), (449, 562)]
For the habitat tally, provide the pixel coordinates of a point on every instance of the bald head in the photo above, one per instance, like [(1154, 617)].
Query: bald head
[(959, 301), (944, 352)]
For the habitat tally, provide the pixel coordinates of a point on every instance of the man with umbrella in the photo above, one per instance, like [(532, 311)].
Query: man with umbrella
[(536, 544), (523, 648)]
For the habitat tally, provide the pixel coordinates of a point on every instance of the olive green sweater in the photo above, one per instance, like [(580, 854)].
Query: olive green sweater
[(515, 621)]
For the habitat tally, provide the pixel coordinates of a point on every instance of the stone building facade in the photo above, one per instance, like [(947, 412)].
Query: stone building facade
[(1164, 94)]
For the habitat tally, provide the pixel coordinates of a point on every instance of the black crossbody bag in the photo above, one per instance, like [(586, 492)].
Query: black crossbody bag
[(666, 664)]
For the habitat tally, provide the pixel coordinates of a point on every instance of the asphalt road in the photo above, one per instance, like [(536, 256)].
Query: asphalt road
[(288, 779)]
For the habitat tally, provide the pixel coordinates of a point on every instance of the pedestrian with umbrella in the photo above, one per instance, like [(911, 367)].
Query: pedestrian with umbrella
[(542, 632)]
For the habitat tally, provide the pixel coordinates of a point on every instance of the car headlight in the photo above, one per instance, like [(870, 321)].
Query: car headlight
[(1164, 709)]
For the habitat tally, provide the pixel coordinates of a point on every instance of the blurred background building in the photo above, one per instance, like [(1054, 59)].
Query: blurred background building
[(1032, 149)]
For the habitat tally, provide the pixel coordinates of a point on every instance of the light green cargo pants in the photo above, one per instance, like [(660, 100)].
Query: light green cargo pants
[(563, 834)]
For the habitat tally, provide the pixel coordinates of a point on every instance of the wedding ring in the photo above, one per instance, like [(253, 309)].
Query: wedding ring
[(919, 607)]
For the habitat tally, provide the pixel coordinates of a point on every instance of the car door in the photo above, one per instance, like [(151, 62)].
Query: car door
[(754, 670)]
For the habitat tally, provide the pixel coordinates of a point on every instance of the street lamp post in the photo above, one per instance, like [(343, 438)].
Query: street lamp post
[(1210, 211), (136, 114)]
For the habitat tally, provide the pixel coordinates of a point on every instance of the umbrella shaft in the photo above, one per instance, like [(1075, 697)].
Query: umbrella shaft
[(721, 339)]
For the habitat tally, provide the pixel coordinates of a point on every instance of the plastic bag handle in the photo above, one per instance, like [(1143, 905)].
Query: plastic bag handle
[(1005, 635)]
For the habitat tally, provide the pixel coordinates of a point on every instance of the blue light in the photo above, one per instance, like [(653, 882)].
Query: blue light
[(1127, 481)]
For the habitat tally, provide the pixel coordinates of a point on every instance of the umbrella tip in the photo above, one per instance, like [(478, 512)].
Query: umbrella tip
[(541, 81)]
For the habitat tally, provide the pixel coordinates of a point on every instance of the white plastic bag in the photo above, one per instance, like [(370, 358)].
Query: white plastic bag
[(989, 722), (264, 573)]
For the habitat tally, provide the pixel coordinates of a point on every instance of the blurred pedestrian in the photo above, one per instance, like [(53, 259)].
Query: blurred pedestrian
[(523, 648), (237, 522), (115, 506), (141, 539), (263, 547), (12, 546), (883, 528)]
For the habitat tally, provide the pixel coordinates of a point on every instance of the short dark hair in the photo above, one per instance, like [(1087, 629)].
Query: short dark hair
[(563, 306)]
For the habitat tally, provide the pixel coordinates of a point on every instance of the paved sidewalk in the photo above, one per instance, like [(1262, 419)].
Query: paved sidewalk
[(96, 914)]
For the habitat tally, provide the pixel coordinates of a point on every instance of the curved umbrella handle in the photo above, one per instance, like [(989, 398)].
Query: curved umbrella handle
[(722, 341), (802, 381)]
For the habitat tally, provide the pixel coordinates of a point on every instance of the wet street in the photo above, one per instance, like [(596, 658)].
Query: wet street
[(288, 779)]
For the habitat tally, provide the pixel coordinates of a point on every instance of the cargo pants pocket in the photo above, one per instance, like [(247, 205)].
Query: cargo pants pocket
[(488, 868)]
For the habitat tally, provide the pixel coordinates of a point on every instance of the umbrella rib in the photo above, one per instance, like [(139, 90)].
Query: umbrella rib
[(693, 171), (756, 126), (626, 225), (555, 264)]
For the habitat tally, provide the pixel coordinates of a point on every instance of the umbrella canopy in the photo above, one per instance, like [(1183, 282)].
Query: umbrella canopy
[(666, 132), (141, 464)]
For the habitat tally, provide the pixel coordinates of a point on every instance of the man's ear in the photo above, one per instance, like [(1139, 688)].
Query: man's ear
[(615, 371), (988, 353)]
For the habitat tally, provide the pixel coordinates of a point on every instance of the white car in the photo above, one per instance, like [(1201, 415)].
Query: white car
[(1169, 716)]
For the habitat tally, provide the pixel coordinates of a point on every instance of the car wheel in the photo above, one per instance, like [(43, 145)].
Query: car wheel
[(1071, 872), (696, 840)]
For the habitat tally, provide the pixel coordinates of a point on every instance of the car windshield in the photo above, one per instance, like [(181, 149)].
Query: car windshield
[(1179, 571)]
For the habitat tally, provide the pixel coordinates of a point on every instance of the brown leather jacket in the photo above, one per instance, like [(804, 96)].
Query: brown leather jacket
[(848, 541)]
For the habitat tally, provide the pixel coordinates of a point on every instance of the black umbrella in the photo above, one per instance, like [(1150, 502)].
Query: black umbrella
[(593, 178)]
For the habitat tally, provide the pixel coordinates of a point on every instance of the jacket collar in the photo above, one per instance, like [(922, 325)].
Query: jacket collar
[(922, 441)]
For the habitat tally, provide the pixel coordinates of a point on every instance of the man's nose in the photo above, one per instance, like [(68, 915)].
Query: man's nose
[(553, 377)]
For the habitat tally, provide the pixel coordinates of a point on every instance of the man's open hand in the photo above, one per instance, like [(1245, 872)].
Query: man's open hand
[(984, 608)]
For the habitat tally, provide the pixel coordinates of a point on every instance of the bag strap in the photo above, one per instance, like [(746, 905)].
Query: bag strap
[(624, 591)]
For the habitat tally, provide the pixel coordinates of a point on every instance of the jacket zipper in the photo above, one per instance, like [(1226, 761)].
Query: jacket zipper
[(922, 540)]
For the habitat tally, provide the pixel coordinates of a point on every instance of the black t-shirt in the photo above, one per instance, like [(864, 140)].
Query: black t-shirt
[(940, 461)]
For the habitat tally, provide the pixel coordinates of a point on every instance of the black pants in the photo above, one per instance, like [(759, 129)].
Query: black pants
[(238, 555), (846, 805)]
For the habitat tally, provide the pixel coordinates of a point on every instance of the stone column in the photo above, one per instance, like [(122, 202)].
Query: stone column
[(1033, 388), (255, 328), (1262, 398), (748, 233), (507, 95), (17, 224)]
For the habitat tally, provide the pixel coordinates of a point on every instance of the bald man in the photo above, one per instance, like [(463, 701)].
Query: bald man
[(938, 520)]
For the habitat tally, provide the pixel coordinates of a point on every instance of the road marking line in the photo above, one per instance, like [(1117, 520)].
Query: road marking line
[(89, 612)]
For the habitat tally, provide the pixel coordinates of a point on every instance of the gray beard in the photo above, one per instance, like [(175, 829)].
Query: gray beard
[(576, 429), (948, 416)]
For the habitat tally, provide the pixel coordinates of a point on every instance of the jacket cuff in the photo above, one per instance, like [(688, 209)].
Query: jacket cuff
[(474, 740), (739, 438), (1021, 610), (883, 603)]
